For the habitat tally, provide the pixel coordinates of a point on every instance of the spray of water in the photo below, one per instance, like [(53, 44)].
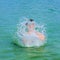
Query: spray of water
[(21, 30)]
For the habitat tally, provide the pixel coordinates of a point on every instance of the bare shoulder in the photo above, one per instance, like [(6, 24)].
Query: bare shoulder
[(38, 33)]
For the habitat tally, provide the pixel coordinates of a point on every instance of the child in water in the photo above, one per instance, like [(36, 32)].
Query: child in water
[(32, 33)]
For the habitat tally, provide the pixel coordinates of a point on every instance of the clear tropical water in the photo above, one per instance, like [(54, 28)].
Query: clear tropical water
[(45, 11)]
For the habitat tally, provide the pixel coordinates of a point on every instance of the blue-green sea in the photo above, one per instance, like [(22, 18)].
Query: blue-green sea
[(45, 11)]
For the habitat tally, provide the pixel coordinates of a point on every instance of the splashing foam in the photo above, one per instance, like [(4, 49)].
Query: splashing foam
[(21, 31)]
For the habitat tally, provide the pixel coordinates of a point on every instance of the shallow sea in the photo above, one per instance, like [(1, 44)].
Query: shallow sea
[(45, 11)]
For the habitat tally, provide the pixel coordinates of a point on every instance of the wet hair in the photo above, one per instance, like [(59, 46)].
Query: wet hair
[(31, 20)]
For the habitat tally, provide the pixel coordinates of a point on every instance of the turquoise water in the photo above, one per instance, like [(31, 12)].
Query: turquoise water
[(45, 11)]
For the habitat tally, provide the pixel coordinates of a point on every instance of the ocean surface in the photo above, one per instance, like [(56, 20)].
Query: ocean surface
[(44, 11)]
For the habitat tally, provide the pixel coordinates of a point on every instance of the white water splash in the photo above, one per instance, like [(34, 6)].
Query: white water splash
[(21, 30)]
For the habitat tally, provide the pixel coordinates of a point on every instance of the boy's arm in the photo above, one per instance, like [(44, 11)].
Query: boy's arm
[(40, 35)]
